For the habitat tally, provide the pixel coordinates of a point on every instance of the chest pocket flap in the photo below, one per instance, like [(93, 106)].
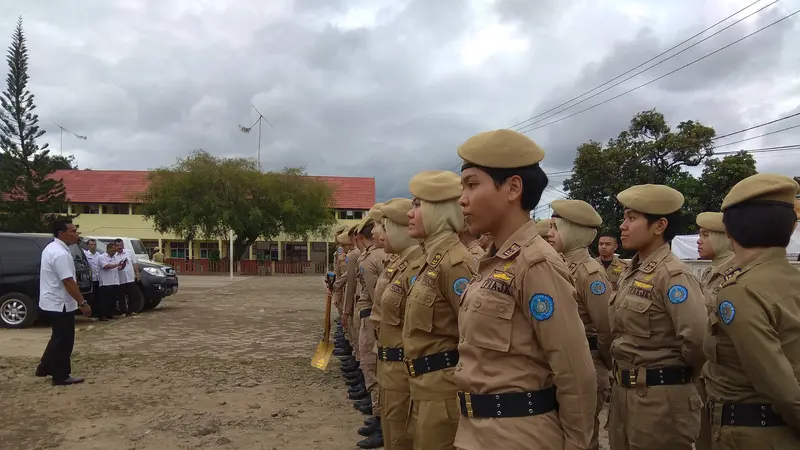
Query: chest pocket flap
[(636, 316), (489, 322), (391, 302), (419, 311)]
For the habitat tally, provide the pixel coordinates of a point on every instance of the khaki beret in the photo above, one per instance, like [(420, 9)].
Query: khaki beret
[(576, 211), (435, 185), (543, 227), (339, 229), (397, 210), (711, 221), (364, 222), (762, 187), (353, 228), (501, 149), (651, 199), (375, 213), (343, 239)]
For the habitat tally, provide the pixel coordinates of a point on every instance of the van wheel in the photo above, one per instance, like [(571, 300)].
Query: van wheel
[(17, 310), (136, 299)]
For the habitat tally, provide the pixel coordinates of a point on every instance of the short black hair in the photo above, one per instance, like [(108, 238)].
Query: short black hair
[(366, 231), (118, 241), (534, 181), (90, 241), (60, 225), (109, 245), (760, 224), (673, 223), (609, 234)]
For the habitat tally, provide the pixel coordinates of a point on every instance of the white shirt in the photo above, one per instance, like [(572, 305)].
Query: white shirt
[(56, 265), (92, 258), (128, 275), (108, 277)]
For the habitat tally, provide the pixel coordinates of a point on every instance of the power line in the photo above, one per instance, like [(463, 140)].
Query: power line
[(528, 130), (646, 68), (756, 126), (760, 135)]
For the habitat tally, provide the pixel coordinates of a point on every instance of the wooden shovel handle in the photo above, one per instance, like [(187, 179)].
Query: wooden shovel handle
[(326, 336)]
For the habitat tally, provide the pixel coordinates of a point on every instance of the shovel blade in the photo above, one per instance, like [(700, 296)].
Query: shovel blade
[(322, 356)]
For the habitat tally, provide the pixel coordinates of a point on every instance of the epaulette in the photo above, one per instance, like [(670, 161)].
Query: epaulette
[(533, 253), (592, 266), (675, 266)]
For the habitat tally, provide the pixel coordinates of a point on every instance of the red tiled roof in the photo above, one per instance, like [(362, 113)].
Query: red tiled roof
[(122, 186)]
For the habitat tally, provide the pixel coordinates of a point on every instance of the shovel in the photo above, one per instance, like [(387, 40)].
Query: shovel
[(324, 351)]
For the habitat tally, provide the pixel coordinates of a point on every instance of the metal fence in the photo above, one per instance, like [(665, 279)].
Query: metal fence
[(245, 267)]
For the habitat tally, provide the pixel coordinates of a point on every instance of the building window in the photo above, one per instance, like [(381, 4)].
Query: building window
[(318, 246), (138, 209), (61, 209), (115, 208), (149, 245), (91, 208), (358, 215), (350, 214), (273, 252), (207, 248), (178, 250)]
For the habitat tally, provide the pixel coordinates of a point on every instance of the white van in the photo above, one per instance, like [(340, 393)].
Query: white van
[(132, 244)]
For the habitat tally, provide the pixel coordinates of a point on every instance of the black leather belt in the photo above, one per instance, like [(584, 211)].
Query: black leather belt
[(592, 342), (390, 354), (517, 404), (431, 363), (364, 313), (665, 376), (747, 414)]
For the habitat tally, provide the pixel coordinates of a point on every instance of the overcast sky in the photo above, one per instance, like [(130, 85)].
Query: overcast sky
[(385, 88)]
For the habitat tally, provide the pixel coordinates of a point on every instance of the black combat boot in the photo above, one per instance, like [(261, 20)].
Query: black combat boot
[(369, 428), (375, 440)]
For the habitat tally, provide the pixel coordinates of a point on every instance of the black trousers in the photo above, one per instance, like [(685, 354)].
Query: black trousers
[(56, 357), (126, 297), (95, 298), (107, 301)]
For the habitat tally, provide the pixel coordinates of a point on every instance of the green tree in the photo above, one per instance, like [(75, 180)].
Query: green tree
[(204, 196), (33, 198)]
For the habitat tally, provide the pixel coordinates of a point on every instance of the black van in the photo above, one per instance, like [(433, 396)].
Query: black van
[(20, 260)]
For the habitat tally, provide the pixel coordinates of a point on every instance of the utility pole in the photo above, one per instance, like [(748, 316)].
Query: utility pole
[(250, 128), (61, 137)]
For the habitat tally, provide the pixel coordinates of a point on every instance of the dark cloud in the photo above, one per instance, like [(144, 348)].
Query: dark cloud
[(380, 88)]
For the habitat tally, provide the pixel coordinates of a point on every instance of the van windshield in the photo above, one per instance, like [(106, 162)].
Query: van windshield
[(138, 247)]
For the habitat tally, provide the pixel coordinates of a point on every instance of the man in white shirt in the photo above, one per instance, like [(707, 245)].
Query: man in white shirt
[(127, 280), (91, 255), (59, 297), (110, 265)]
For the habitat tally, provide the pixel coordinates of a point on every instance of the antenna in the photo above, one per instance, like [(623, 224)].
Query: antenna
[(61, 137), (250, 128)]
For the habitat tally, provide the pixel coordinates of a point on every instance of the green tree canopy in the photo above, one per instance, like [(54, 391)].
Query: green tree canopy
[(649, 151), (32, 197), (204, 196)]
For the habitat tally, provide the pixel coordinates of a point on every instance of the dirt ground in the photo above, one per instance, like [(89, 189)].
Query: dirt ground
[(219, 365)]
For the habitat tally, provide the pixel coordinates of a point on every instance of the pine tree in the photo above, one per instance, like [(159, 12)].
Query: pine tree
[(32, 200)]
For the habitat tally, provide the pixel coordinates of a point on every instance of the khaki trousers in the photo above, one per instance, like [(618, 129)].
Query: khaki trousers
[(433, 423), (654, 417), (725, 437), (369, 362), (394, 421)]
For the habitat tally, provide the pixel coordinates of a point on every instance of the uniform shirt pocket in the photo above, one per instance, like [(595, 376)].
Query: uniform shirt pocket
[(711, 340), (391, 303), (419, 313), (489, 325), (636, 316)]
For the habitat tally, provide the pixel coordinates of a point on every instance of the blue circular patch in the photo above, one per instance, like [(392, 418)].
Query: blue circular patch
[(677, 294), (541, 306), (413, 279), (726, 312), (346, 259), (339, 250), (598, 288), (460, 286), (361, 269)]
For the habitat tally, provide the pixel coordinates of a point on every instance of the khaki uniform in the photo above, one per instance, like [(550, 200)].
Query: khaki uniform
[(350, 293), (657, 321), (753, 351), (712, 278), (370, 268), (521, 335), (614, 270), (430, 330), (594, 295), (340, 269), (476, 250), (392, 374), (387, 274)]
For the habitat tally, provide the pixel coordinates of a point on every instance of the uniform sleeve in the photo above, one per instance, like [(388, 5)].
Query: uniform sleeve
[(685, 304), (350, 292), (549, 302), (598, 296), (372, 271), (455, 281), (341, 276), (63, 266), (746, 320)]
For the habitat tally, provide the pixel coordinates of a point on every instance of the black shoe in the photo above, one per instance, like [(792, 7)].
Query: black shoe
[(343, 351), (363, 402), (354, 381), (352, 375), (350, 367), (371, 420), (41, 373), (69, 380), (355, 389), (369, 430), (358, 396), (350, 359), (375, 440), (366, 410)]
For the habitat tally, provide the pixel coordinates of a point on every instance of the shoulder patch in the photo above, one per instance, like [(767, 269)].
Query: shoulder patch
[(346, 259), (598, 287), (677, 294), (460, 285), (413, 279), (541, 306), (339, 250), (726, 312), (511, 251), (436, 260)]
